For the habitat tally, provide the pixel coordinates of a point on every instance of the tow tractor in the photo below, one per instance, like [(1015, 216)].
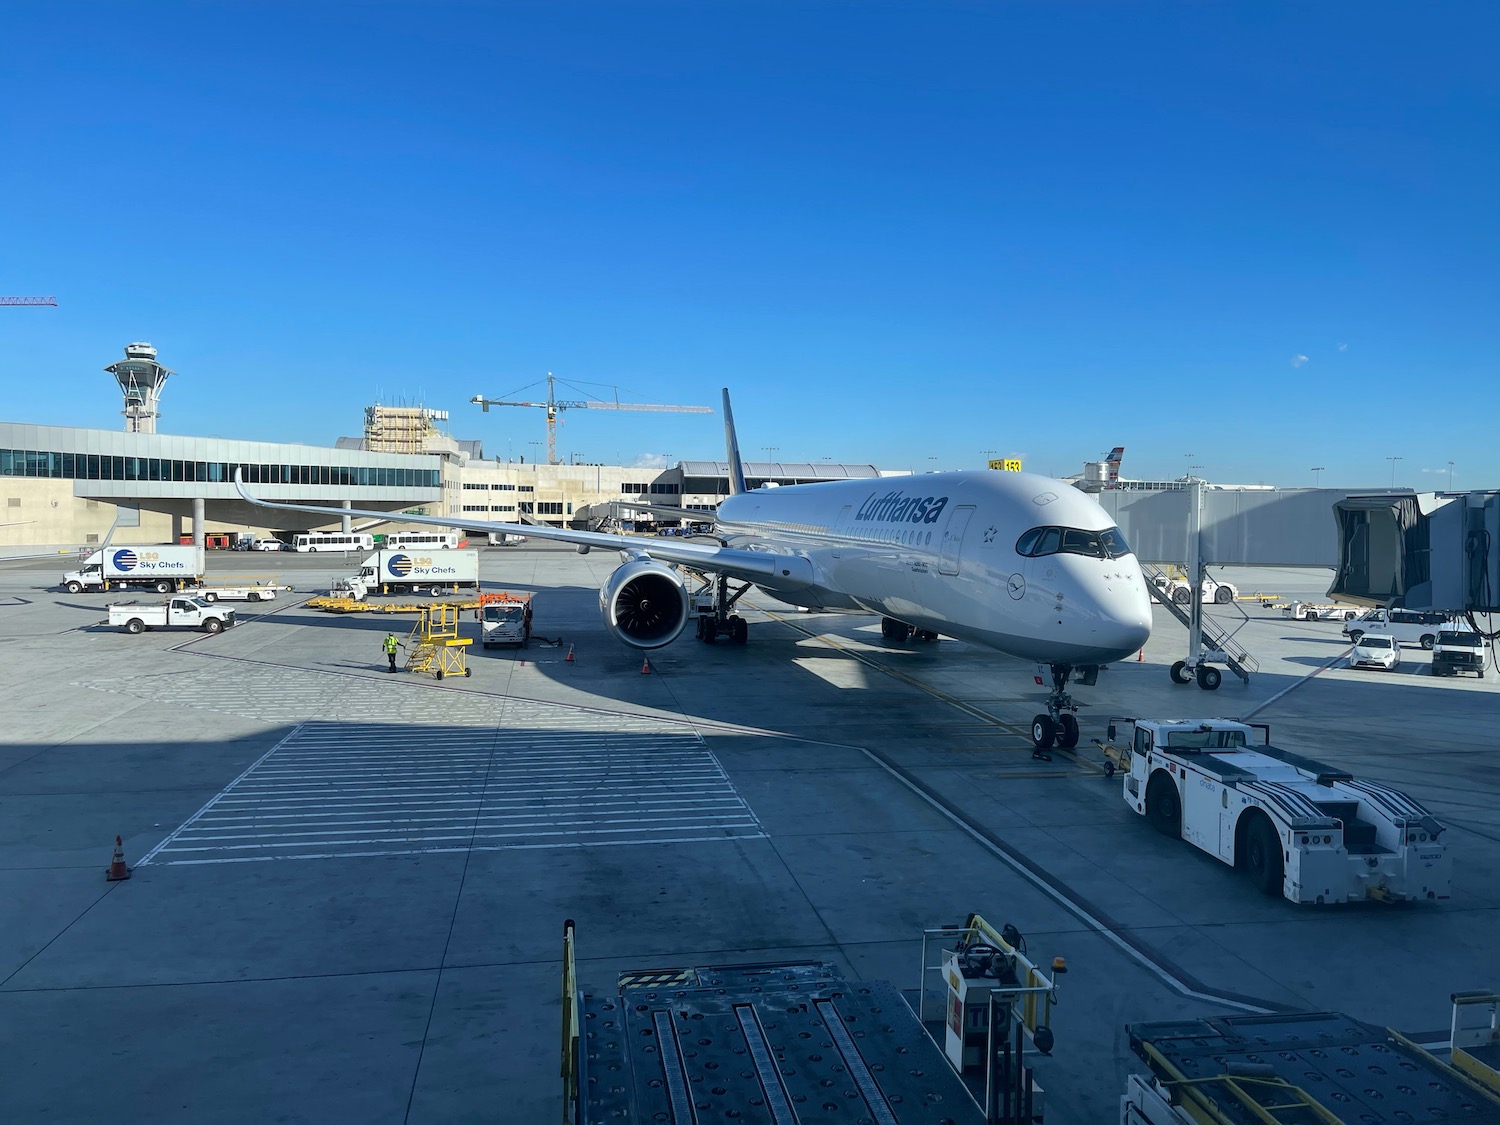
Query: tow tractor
[(1294, 826), (1310, 611), (253, 592)]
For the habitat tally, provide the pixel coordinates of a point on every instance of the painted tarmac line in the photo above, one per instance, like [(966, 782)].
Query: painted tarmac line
[(1179, 981), (214, 800), (334, 794), (1294, 685)]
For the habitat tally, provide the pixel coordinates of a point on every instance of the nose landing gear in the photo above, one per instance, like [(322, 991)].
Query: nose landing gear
[(1059, 726)]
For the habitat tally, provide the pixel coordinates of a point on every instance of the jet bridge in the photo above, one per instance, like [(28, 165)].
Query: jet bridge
[(1420, 550)]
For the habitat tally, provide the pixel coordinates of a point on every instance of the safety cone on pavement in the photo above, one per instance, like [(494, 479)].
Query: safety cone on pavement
[(117, 869), (645, 666), (569, 658), (1140, 656)]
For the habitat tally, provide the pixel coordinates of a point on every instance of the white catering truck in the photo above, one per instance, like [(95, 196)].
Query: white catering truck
[(1294, 826), (162, 569), (181, 612), (438, 572), (504, 619)]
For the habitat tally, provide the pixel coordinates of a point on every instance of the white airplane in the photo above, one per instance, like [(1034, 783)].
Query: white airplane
[(1017, 562)]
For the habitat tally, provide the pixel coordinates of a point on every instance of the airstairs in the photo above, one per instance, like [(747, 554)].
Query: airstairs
[(1219, 645)]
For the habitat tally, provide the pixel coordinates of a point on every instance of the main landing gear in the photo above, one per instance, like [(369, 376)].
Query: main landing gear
[(893, 630), (713, 611), (1059, 726)]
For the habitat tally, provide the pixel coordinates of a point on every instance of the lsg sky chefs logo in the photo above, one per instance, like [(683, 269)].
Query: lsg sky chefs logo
[(400, 565), (897, 507), (126, 560)]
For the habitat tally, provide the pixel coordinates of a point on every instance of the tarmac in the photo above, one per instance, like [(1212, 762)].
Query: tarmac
[(348, 888)]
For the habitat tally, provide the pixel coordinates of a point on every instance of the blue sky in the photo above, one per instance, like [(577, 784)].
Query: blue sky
[(1255, 238)]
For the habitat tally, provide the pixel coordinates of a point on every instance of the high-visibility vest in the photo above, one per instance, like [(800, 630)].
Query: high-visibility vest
[(390, 645)]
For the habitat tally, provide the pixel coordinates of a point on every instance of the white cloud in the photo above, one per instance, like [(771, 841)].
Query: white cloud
[(1298, 360), (1343, 347), (650, 461)]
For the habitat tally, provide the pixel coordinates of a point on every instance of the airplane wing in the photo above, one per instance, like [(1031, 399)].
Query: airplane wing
[(763, 568)]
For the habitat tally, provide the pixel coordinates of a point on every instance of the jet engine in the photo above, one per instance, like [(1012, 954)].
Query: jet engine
[(644, 603)]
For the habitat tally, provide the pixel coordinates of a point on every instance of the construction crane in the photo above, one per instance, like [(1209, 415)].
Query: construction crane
[(554, 405), (28, 301)]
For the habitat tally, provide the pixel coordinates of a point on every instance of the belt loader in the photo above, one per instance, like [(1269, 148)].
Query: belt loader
[(1294, 826)]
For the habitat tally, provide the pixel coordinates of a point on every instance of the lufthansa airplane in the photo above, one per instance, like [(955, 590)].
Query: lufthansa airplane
[(1016, 562)]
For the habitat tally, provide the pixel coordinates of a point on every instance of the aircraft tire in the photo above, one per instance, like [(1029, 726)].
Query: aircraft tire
[(1209, 677), (1263, 856), (1180, 673), (1067, 737), (1043, 732), (1163, 805)]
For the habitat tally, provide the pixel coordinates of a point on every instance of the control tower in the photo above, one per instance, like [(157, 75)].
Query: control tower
[(141, 379)]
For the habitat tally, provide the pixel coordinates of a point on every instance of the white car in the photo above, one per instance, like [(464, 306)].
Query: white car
[(269, 545), (1376, 650)]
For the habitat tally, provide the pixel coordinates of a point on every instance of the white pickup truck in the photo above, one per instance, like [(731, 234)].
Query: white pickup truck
[(1296, 827), (181, 612)]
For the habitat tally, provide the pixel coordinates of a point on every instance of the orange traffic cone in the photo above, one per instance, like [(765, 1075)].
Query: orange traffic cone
[(569, 658), (1140, 656), (117, 869), (645, 666)]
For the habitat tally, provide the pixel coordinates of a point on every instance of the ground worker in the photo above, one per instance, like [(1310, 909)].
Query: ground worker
[(389, 645)]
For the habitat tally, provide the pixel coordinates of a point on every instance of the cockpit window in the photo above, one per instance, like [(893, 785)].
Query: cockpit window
[(1109, 543)]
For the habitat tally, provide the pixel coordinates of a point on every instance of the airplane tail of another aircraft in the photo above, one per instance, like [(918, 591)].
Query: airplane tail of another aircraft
[(732, 450)]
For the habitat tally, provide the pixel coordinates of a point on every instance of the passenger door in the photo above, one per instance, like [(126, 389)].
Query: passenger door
[(953, 539)]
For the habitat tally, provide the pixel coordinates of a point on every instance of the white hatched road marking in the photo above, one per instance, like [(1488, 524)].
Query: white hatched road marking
[(364, 789)]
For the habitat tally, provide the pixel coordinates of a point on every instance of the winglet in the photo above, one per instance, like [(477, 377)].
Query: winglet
[(732, 450)]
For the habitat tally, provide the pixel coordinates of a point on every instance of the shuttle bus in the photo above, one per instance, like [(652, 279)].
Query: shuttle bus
[(332, 541), (423, 540)]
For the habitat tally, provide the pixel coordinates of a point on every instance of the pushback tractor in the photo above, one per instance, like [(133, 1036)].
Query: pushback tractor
[(1295, 827)]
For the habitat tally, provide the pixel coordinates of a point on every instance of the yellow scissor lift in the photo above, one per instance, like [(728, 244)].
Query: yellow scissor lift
[(435, 646)]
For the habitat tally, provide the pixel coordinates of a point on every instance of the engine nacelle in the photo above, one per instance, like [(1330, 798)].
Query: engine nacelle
[(644, 603)]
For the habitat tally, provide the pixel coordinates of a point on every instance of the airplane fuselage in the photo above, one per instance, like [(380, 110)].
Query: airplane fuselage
[(939, 551)]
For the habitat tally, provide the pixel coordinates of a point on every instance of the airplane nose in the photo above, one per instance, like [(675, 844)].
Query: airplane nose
[(1132, 635)]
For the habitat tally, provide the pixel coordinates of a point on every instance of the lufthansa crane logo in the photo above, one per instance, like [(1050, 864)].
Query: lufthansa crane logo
[(125, 560), (400, 565), (1016, 586)]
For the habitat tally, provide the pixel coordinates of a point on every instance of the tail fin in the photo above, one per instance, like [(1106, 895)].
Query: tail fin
[(732, 450)]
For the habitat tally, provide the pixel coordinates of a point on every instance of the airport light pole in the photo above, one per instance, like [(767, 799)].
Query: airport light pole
[(1450, 476), (1393, 461), (932, 468), (1316, 470), (989, 455)]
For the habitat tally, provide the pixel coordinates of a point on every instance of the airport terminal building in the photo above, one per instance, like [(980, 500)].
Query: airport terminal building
[(66, 487)]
